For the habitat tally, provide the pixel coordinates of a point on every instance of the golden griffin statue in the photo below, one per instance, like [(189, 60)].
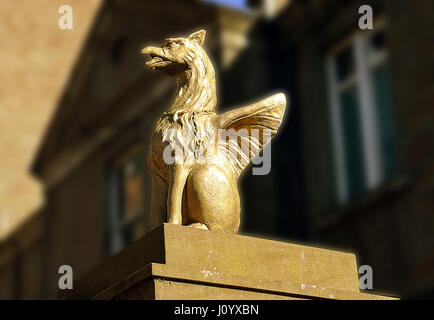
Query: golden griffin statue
[(196, 156)]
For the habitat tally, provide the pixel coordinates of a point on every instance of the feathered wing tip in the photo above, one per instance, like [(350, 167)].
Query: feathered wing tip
[(248, 129)]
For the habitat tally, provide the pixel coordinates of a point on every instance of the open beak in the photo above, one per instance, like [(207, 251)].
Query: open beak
[(150, 50), (158, 60)]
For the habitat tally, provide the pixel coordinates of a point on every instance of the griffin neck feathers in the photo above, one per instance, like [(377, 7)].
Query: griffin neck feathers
[(196, 88)]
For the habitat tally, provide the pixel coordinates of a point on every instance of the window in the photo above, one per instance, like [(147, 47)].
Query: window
[(360, 110), (125, 205)]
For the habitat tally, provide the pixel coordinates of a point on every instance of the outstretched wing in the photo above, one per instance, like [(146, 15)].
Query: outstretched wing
[(247, 130)]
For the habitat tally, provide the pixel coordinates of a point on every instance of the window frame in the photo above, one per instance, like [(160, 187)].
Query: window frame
[(363, 65), (115, 226)]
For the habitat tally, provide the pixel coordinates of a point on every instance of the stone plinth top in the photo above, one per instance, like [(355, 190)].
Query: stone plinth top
[(177, 262)]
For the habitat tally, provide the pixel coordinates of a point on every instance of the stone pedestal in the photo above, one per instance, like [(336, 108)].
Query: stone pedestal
[(177, 262)]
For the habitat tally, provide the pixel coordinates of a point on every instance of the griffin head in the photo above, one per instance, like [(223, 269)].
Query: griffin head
[(177, 54)]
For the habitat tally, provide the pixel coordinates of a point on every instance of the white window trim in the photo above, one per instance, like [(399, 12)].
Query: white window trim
[(368, 118), (338, 145), (369, 123)]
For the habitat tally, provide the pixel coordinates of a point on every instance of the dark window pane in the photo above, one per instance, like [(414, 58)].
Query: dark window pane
[(385, 123), (117, 182), (127, 235), (345, 63), (352, 141), (378, 40)]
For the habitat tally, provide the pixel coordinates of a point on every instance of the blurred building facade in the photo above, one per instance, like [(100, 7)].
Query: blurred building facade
[(351, 168), (37, 56)]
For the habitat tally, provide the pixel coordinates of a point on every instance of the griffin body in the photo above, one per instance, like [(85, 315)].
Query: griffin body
[(194, 170)]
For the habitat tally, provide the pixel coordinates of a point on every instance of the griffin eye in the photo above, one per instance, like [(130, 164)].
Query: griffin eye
[(173, 45)]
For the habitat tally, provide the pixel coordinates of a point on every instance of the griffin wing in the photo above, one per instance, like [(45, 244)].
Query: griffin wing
[(249, 129)]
